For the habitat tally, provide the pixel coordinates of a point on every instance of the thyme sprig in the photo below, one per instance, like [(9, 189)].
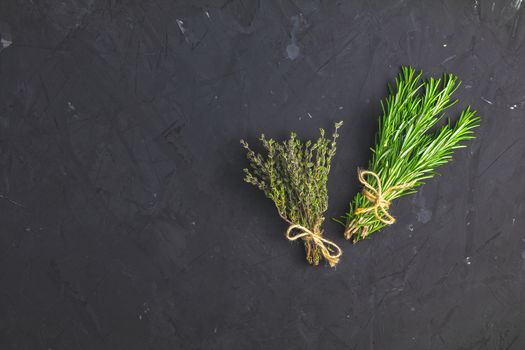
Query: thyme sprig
[(408, 147), (294, 175)]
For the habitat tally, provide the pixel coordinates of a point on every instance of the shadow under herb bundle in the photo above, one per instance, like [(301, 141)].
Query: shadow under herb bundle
[(294, 175)]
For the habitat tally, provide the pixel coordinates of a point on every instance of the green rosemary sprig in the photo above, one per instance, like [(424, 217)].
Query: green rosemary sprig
[(408, 147), (294, 176)]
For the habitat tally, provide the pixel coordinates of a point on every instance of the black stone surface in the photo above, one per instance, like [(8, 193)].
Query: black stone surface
[(124, 221)]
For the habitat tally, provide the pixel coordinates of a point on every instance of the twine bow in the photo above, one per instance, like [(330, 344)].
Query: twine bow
[(331, 251), (376, 196)]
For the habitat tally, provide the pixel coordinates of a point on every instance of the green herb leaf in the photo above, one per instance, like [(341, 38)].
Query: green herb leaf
[(294, 176), (408, 149)]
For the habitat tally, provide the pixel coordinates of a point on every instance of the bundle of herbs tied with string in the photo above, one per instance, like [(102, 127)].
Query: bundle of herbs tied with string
[(409, 147), (293, 175)]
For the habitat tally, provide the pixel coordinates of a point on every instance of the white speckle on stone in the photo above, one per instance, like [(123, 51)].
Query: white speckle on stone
[(215, 330), (180, 23), (140, 317), (410, 227), (467, 260), (183, 29), (340, 108), (444, 45), (513, 221), (489, 102), (513, 106), (309, 115), (5, 43)]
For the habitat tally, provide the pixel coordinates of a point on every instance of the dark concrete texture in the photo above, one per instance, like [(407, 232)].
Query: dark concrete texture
[(124, 220)]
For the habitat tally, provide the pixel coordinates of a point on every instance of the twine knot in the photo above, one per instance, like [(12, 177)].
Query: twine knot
[(330, 251), (376, 196)]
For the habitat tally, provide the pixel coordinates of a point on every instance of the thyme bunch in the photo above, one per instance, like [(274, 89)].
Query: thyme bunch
[(408, 147), (294, 175)]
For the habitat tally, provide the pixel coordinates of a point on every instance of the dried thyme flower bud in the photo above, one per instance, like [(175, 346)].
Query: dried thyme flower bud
[(293, 175)]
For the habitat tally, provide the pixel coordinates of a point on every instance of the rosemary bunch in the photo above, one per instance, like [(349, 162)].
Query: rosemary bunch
[(409, 147), (294, 175)]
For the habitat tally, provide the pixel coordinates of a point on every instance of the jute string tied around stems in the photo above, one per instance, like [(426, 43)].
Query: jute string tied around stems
[(376, 196), (330, 251)]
